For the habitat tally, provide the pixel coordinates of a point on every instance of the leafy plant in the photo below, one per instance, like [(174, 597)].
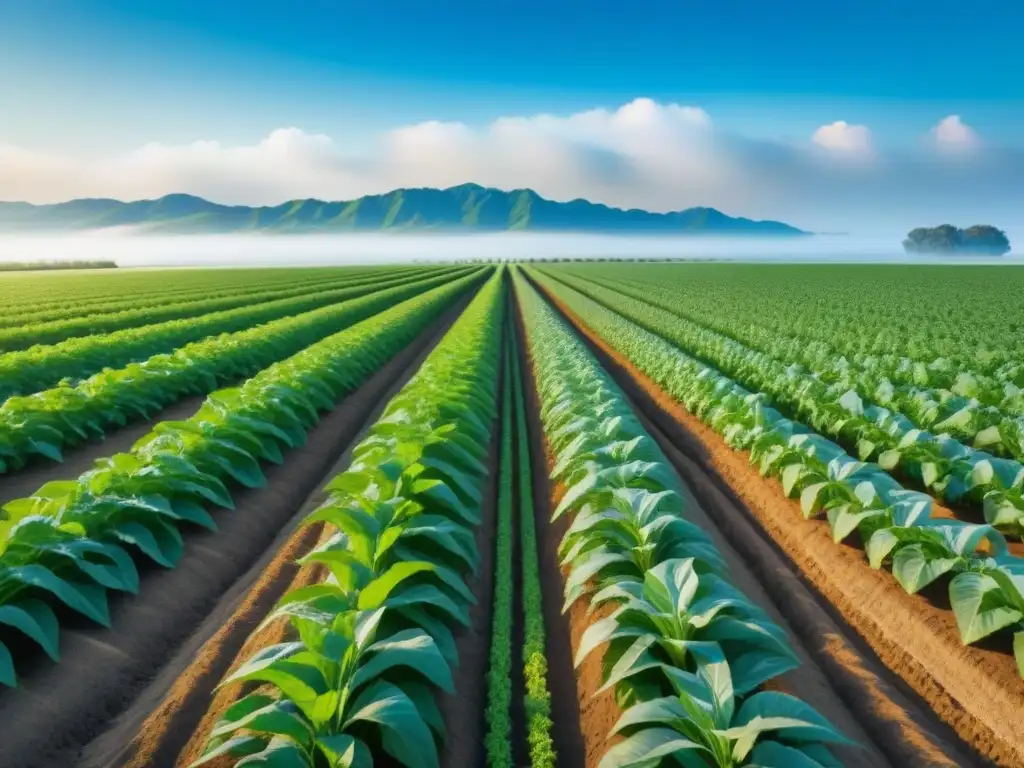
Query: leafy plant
[(628, 543), (44, 423), (371, 640), (70, 540), (702, 725), (895, 523)]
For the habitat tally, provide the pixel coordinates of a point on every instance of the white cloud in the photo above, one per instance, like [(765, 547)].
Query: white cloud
[(841, 136), (642, 154), (951, 133)]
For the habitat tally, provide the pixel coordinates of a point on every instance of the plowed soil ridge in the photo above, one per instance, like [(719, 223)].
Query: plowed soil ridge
[(894, 652)]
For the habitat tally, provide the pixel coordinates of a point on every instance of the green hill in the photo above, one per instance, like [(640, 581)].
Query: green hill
[(466, 207)]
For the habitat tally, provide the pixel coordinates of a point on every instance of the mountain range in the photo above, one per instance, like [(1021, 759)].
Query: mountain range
[(466, 207)]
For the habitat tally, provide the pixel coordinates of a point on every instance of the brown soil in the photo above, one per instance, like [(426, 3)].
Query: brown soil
[(156, 741), (975, 691), (581, 718), (173, 721), (519, 732), (109, 680)]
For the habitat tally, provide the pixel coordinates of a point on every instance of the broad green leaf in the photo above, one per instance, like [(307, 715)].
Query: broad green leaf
[(36, 619)]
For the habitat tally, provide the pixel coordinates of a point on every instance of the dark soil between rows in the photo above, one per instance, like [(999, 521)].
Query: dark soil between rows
[(59, 708), (834, 603), (23, 483)]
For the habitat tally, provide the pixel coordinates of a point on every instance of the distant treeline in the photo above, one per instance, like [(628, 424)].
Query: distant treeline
[(981, 239), (42, 266)]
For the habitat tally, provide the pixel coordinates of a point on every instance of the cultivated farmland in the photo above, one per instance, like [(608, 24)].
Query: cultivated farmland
[(591, 515)]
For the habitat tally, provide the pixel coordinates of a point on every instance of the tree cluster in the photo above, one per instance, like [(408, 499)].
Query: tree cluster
[(979, 239)]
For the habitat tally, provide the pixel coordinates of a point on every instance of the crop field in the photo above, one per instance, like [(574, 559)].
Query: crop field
[(544, 515)]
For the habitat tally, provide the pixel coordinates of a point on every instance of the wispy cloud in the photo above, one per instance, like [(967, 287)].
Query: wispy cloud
[(642, 154)]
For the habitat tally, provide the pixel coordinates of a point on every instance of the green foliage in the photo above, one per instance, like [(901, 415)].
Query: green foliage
[(537, 704), (40, 367), (374, 639), (685, 652), (979, 239), (70, 540), (27, 333), (46, 266), (44, 423), (855, 495), (498, 741)]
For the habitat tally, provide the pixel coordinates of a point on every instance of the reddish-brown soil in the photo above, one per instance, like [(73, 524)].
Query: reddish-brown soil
[(158, 741), (976, 691), (173, 721), (109, 680)]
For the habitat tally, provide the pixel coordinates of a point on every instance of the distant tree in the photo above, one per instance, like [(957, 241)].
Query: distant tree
[(979, 239), (982, 238)]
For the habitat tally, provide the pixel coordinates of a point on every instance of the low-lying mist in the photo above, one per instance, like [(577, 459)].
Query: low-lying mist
[(134, 250)]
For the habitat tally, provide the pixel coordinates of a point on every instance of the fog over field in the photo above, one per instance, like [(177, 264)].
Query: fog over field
[(131, 250)]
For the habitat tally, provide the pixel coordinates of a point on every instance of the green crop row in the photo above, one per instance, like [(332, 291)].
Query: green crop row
[(44, 423), (26, 335), (497, 715), (940, 394), (71, 540), (986, 590), (684, 651), (537, 704), (370, 645), (940, 464), (37, 368), (28, 292), (968, 316), (282, 284)]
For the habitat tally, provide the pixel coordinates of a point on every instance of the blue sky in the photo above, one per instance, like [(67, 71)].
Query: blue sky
[(148, 70), (89, 78)]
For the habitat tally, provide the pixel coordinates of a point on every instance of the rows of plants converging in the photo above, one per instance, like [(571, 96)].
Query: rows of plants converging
[(43, 423), (34, 311), (949, 318), (982, 410), (72, 541), (375, 639), (897, 525), (940, 464), (686, 651), (419, 601), (42, 366)]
